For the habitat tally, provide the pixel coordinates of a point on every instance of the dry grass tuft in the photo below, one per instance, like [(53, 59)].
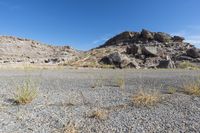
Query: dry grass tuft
[(192, 89), (146, 98), (70, 128), (98, 82), (121, 83), (25, 93), (171, 90), (100, 114), (187, 65)]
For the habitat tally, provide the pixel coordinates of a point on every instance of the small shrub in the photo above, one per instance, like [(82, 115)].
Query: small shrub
[(187, 65), (146, 98), (98, 82), (25, 93), (70, 128), (99, 114), (192, 89), (121, 83), (171, 90)]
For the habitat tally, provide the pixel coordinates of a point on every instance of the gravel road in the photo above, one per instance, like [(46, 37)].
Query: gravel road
[(68, 99)]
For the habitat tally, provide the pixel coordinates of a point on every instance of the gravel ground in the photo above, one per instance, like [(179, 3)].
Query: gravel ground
[(68, 98)]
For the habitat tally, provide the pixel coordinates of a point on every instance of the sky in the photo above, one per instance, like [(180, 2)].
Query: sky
[(85, 24)]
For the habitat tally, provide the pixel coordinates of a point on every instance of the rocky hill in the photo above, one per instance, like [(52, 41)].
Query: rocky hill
[(19, 50), (143, 49)]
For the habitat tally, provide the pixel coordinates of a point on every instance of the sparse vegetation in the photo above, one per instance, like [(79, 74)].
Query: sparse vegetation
[(98, 82), (100, 114), (187, 65), (26, 93), (70, 128), (146, 98), (192, 89), (171, 90), (121, 83)]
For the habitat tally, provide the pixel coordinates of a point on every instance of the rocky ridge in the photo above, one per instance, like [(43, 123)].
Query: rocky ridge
[(148, 49)]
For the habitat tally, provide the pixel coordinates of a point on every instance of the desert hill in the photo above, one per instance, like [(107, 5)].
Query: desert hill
[(143, 49), (19, 50)]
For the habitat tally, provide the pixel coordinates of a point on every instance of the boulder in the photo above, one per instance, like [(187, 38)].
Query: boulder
[(151, 62), (129, 63), (147, 35), (184, 57), (150, 51), (112, 59), (53, 60), (132, 49), (162, 37), (178, 39), (166, 64), (193, 52), (119, 61)]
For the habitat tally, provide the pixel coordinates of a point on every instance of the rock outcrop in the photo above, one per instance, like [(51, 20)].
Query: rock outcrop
[(152, 49)]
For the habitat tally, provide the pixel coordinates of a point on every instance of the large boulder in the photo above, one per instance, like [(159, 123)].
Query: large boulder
[(147, 35), (112, 59), (129, 63), (184, 58), (166, 64), (119, 61), (151, 51), (162, 37), (193, 52), (151, 62), (178, 39), (132, 49)]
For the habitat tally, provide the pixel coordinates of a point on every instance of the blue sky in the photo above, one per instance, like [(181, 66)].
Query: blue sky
[(84, 24)]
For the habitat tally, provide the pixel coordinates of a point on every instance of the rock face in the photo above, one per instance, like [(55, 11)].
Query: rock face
[(18, 50), (151, 49)]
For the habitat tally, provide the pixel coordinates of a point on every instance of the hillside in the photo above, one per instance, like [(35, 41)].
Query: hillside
[(19, 50), (143, 49)]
